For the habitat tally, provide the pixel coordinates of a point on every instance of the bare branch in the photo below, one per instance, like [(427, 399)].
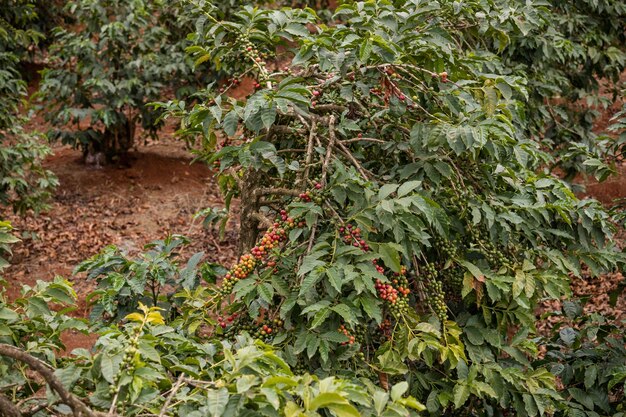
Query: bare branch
[(114, 402), (8, 409), (275, 191), (283, 129), (46, 371), (354, 161), (329, 149), (328, 108), (309, 154), (291, 150), (362, 140), (175, 388), (37, 408), (262, 219), (311, 241)]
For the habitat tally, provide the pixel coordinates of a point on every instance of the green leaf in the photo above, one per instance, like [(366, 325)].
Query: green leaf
[(461, 393), (230, 123), (344, 410), (386, 190), (109, 366), (491, 100), (268, 115), (591, 373), (390, 256), (413, 403), (345, 312), (334, 277), (408, 187), (266, 291), (398, 390), (326, 398), (309, 281), (365, 50), (371, 307), (217, 399), (320, 318)]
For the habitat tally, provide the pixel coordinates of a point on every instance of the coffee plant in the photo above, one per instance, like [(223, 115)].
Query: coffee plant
[(120, 57), (24, 183), (570, 53), (411, 223), (146, 367), (588, 355), (154, 278), (6, 239)]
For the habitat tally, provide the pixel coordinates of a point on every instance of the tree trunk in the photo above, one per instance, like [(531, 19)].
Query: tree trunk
[(248, 225)]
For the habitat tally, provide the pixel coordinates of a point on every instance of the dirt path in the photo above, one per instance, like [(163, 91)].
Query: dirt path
[(127, 207)]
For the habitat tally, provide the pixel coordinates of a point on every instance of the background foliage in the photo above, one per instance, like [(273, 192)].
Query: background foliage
[(24, 183), (119, 57)]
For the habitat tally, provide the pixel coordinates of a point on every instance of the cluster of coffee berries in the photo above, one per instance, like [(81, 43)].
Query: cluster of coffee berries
[(351, 337), (238, 272), (379, 268), (253, 53), (352, 236), (225, 321), (311, 195), (300, 368), (316, 94), (386, 292), (271, 238), (447, 248), (385, 329), (128, 362), (259, 330), (496, 258), (390, 71), (306, 197), (436, 296), (396, 292), (288, 222), (453, 280)]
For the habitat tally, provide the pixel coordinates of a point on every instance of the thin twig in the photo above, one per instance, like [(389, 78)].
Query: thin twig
[(291, 150), (362, 140), (275, 191), (309, 154), (329, 150), (287, 129), (114, 402), (328, 108), (37, 408), (354, 161), (175, 388)]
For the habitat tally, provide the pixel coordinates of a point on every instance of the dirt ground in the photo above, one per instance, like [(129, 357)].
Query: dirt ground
[(129, 207)]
